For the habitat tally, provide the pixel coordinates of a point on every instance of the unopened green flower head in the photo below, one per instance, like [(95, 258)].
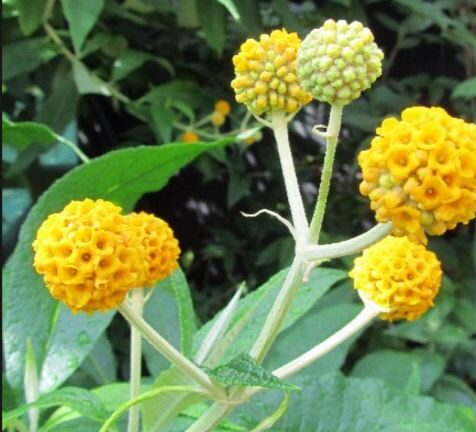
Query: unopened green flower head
[(338, 61)]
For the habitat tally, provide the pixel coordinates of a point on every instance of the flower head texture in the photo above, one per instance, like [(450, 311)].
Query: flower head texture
[(161, 248), (338, 61), (399, 275), (420, 172), (88, 255), (265, 72)]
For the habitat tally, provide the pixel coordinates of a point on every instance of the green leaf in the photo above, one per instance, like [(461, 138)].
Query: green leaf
[(212, 17), (253, 310), (465, 90), (243, 371), (81, 17), (157, 412), (170, 311), (22, 134), (87, 82), (250, 18), (310, 330), (393, 367), (26, 55), (454, 390), (30, 14), (75, 398), (162, 121), (129, 62), (120, 176), (337, 403), (232, 8), (427, 9), (285, 15)]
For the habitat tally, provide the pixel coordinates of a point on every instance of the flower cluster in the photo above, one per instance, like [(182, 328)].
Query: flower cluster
[(338, 61), (420, 172), (222, 110), (90, 255), (399, 275), (265, 71)]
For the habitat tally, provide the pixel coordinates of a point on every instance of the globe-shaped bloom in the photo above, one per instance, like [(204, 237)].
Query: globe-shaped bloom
[(266, 74), (400, 276), (89, 257), (338, 61), (420, 172)]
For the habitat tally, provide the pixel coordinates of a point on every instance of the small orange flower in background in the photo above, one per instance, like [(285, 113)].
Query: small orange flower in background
[(428, 160), (90, 255), (189, 137), (400, 276), (223, 107), (266, 74)]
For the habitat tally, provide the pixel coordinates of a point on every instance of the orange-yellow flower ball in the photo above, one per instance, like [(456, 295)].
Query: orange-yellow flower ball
[(189, 137), (222, 106), (398, 275), (266, 74), (161, 248), (89, 257), (420, 172)]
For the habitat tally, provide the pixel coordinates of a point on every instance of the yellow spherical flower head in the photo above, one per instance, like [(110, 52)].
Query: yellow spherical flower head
[(266, 74), (222, 106), (161, 248), (400, 276), (338, 61), (189, 137), (89, 257), (420, 172)]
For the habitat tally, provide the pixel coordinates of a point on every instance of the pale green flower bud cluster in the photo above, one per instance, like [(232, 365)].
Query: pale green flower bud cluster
[(338, 61)]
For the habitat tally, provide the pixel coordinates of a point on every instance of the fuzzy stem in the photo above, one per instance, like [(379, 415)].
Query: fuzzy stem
[(368, 313), (279, 309), (280, 128), (170, 352), (332, 135), (351, 246), (137, 305)]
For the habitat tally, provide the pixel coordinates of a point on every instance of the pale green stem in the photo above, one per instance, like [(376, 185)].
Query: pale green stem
[(137, 305), (73, 147), (368, 313), (351, 246), (31, 386), (280, 128), (171, 353), (210, 418), (332, 135), (279, 309)]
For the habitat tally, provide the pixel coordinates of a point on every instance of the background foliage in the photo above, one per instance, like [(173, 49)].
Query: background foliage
[(111, 75)]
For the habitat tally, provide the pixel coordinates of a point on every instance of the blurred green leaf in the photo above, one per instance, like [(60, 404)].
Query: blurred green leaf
[(243, 371), (162, 121), (212, 17), (465, 90), (81, 17), (26, 55), (30, 14), (454, 390), (20, 135), (87, 82)]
